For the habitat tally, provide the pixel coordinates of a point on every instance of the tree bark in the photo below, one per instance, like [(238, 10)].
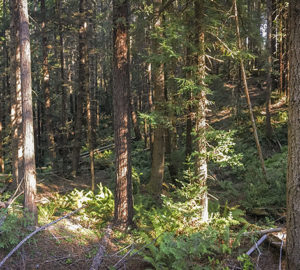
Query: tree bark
[(269, 130), (46, 89), (27, 115), (121, 104), (201, 164), (64, 134), (16, 96), (89, 95), (83, 86), (293, 175), (158, 82)]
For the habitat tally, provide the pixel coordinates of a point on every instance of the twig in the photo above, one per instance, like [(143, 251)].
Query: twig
[(35, 232), (115, 254), (123, 258), (280, 254)]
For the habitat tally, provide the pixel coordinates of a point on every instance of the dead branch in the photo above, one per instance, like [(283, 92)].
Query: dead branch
[(102, 248), (35, 232), (263, 231), (257, 244)]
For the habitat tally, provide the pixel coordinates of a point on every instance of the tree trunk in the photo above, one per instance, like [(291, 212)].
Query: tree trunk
[(247, 94), (89, 86), (83, 86), (27, 115), (269, 130), (201, 164), (121, 105), (64, 135), (16, 96), (281, 66), (46, 89), (158, 81), (293, 176)]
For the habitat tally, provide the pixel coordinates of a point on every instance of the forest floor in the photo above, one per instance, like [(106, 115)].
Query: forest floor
[(70, 245)]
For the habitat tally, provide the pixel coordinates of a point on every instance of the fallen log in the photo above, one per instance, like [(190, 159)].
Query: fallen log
[(98, 259)]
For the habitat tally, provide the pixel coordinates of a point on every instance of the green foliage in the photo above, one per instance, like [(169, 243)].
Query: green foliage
[(259, 193), (221, 148), (183, 241), (104, 160), (99, 205), (246, 262), (13, 228)]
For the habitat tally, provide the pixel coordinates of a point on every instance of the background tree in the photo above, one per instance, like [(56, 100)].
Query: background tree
[(158, 81)]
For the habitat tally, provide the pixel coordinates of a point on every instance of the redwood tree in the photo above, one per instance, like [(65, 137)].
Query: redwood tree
[(293, 176), (121, 105)]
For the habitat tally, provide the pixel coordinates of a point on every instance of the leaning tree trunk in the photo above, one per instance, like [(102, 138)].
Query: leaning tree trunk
[(27, 115), (121, 105), (247, 93), (158, 81), (293, 175)]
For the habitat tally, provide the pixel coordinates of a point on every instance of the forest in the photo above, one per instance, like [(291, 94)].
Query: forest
[(150, 134)]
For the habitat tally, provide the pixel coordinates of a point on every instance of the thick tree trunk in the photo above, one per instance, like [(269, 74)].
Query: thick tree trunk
[(46, 89), (293, 176), (121, 104), (27, 115), (158, 82)]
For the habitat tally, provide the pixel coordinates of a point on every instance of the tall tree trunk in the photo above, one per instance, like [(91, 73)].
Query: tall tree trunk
[(293, 175), (5, 85), (158, 82), (91, 88), (201, 164), (83, 86), (121, 104), (281, 66), (27, 115), (269, 69), (46, 89), (64, 135), (247, 94), (16, 96), (189, 64)]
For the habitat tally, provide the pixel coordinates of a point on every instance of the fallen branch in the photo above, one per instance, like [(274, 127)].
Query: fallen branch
[(35, 232), (257, 244), (102, 248), (263, 231)]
